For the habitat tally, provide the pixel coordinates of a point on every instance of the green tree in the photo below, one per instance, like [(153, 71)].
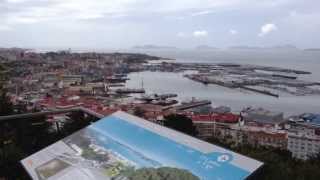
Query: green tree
[(6, 107), (138, 111), (163, 173), (180, 123), (76, 121), (2, 76), (20, 138)]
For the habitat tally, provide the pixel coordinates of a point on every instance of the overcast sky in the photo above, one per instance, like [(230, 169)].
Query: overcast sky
[(180, 23)]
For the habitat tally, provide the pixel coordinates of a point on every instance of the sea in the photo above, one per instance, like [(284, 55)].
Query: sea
[(167, 82)]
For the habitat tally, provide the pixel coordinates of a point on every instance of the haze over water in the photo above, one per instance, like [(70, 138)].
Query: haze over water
[(161, 82)]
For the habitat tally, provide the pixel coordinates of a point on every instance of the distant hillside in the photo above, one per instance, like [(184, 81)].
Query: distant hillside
[(155, 47), (278, 47), (312, 49), (286, 46), (245, 47), (206, 47)]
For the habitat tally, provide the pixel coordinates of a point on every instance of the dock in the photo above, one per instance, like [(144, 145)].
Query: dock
[(129, 91), (284, 76), (189, 105), (152, 97), (260, 91)]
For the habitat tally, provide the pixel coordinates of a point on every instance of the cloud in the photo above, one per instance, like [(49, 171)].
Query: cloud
[(5, 28), (200, 33), (15, 1), (181, 34), (233, 32), (267, 28), (96, 19), (201, 13), (23, 20), (178, 18), (303, 21), (293, 13), (32, 11), (46, 10)]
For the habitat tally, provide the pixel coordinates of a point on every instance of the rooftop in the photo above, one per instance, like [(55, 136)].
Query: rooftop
[(264, 116)]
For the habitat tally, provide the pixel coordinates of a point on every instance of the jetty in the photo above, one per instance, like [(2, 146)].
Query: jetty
[(129, 91), (153, 97), (260, 91), (189, 105)]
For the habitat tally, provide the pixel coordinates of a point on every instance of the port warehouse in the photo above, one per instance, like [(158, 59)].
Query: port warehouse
[(239, 161)]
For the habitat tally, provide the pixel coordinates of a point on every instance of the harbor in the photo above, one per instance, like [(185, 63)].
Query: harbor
[(236, 98), (246, 76)]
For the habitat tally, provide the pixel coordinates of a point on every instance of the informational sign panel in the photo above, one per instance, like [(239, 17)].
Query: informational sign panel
[(124, 147)]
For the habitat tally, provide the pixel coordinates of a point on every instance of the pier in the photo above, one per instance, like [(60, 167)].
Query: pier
[(152, 97), (189, 105), (260, 91), (129, 91)]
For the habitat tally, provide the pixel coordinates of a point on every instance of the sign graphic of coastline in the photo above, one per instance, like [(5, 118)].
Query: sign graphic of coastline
[(124, 147)]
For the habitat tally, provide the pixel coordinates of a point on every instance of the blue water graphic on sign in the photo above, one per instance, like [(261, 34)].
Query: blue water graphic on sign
[(148, 149)]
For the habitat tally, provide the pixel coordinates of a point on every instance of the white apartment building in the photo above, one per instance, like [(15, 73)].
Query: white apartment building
[(302, 146)]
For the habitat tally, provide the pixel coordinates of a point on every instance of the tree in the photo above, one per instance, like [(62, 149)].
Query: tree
[(180, 123), (138, 111), (75, 122), (6, 107), (163, 173), (18, 139)]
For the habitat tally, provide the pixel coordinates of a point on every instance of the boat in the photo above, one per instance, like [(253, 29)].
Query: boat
[(129, 91), (167, 102)]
